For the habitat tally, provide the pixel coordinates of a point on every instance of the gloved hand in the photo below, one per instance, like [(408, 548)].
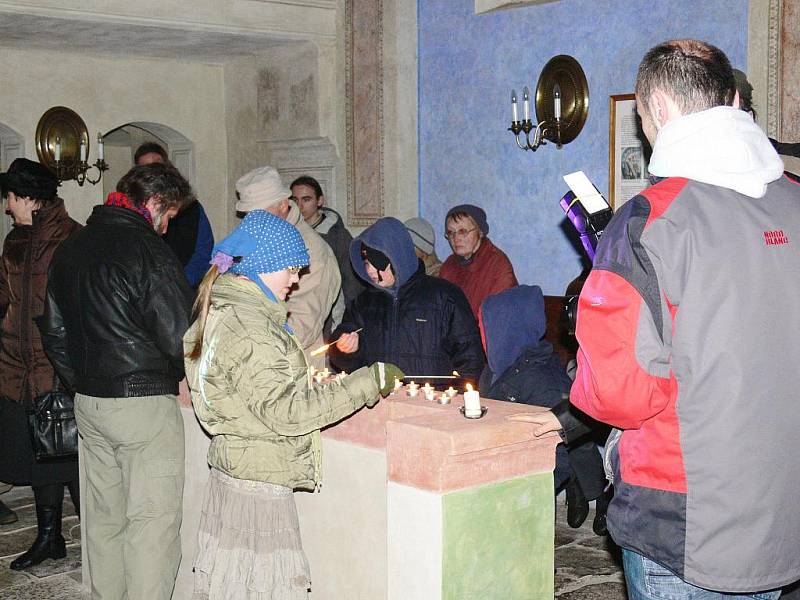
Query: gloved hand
[(384, 375)]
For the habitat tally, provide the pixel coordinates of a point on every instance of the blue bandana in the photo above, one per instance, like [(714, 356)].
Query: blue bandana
[(265, 244)]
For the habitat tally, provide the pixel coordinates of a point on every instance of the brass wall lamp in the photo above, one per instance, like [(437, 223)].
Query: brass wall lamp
[(62, 144), (562, 104)]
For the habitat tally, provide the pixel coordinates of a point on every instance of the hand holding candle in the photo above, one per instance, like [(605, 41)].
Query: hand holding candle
[(348, 337), (472, 402)]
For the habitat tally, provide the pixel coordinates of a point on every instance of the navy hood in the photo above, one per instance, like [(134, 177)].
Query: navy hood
[(391, 237), (511, 322)]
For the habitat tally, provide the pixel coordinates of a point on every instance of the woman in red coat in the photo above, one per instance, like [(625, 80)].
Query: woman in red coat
[(477, 266)]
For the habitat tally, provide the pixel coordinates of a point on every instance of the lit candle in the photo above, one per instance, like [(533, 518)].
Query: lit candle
[(557, 102), (526, 104), (429, 392), (100, 149), (57, 153), (472, 402), (451, 392), (444, 398), (83, 150), (325, 373), (397, 384), (514, 115), (412, 389), (318, 377)]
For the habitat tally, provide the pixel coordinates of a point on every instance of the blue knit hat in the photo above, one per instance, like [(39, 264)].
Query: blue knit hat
[(264, 242)]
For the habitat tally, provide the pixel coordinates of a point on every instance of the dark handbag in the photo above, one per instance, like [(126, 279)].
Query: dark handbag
[(51, 420)]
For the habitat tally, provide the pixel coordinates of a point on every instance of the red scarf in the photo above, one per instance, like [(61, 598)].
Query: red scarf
[(120, 199)]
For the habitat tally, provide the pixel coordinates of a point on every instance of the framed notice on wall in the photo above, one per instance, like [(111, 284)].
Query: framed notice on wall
[(627, 154)]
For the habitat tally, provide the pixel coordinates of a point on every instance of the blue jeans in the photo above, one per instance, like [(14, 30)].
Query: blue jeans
[(647, 580)]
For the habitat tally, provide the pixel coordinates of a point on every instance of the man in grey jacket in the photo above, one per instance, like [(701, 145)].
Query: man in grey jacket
[(312, 301), (687, 327)]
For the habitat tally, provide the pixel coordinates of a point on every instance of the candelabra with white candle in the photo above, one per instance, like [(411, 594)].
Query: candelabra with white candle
[(472, 403)]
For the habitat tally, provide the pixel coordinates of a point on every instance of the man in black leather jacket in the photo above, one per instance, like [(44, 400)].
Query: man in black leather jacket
[(116, 310), (421, 323)]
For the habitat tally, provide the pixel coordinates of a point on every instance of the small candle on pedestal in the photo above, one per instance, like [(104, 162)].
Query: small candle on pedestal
[(429, 392), (472, 402), (412, 390)]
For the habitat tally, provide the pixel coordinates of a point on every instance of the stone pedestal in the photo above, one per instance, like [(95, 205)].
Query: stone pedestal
[(420, 503)]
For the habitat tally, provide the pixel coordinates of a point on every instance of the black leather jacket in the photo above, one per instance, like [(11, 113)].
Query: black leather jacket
[(117, 307)]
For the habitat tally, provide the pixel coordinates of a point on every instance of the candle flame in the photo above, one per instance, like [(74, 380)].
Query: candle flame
[(455, 373), (469, 387)]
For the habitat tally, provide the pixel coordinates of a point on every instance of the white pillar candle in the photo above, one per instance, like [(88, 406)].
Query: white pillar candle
[(100, 149), (514, 115), (472, 402), (57, 151), (83, 150), (526, 104), (557, 102)]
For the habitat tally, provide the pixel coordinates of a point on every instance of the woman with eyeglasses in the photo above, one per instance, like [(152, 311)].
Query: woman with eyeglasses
[(252, 391), (477, 266)]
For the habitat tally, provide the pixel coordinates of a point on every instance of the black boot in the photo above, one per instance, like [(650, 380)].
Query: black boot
[(599, 523), (7, 516), (49, 542), (577, 504)]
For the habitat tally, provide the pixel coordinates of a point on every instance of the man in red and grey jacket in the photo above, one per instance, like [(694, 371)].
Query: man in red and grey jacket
[(688, 329)]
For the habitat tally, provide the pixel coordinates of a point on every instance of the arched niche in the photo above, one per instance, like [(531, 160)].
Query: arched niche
[(121, 144), (11, 146)]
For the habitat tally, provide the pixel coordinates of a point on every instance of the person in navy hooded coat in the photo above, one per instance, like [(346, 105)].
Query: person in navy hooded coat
[(422, 324), (523, 368)]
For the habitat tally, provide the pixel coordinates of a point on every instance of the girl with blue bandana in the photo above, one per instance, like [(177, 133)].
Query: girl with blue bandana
[(252, 391)]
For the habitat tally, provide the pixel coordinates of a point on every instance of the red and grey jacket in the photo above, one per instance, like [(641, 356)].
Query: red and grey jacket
[(688, 328)]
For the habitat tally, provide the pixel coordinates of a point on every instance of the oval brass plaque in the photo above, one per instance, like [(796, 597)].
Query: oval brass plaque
[(568, 74)]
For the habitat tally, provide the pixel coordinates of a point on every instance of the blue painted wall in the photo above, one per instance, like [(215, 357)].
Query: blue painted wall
[(468, 65)]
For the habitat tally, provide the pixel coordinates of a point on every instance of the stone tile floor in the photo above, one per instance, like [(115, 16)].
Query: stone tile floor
[(588, 567)]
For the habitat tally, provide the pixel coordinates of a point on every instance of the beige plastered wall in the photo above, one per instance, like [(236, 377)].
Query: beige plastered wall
[(107, 93)]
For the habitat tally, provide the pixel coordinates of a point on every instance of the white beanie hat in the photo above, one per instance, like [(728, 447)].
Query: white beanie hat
[(260, 189)]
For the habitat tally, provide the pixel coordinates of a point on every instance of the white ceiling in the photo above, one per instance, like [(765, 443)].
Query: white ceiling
[(131, 39)]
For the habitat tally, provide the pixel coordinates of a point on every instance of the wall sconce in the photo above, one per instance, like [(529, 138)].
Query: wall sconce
[(62, 144), (562, 104)]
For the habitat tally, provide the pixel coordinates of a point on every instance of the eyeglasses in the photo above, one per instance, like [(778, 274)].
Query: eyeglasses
[(451, 235), (294, 270)]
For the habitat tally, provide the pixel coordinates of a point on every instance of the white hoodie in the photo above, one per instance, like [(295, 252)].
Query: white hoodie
[(721, 146)]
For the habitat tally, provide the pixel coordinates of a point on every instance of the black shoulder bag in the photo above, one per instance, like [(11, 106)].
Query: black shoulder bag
[(51, 420)]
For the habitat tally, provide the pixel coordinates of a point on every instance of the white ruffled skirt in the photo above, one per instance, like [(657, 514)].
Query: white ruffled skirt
[(249, 543)]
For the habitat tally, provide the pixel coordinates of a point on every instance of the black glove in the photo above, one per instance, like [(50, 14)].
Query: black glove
[(384, 375)]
